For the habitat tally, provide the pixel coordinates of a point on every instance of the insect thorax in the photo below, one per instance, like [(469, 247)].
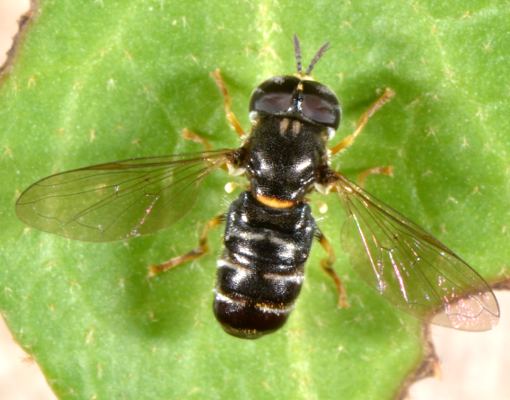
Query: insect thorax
[(284, 156)]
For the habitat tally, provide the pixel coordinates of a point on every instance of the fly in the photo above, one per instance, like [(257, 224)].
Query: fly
[(270, 228)]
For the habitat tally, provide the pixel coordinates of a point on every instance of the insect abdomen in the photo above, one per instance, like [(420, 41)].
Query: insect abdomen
[(261, 271)]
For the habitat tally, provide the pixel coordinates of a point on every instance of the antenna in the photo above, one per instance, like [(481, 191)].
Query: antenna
[(317, 57), (297, 52)]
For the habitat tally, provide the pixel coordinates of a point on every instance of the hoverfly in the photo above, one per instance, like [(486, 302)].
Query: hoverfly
[(270, 228)]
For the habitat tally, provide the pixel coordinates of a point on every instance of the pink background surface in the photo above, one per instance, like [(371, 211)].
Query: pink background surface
[(474, 365)]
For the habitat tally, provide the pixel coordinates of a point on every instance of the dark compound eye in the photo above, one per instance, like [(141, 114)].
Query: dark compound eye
[(274, 95), (320, 104)]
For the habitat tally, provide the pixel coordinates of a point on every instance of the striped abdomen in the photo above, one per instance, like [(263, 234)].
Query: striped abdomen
[(261, 271)]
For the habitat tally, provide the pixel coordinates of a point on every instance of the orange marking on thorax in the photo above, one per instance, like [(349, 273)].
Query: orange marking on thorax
[(273, 202)]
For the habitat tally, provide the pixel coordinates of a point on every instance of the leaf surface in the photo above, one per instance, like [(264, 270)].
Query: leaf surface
[(95, 82)]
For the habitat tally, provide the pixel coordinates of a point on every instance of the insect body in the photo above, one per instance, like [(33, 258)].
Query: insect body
[(270, 228)]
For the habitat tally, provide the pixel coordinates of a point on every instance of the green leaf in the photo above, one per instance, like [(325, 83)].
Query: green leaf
[(100, 81)]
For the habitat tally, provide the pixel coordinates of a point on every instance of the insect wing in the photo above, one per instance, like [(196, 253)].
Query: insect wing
[(118, 200), (410, 268)]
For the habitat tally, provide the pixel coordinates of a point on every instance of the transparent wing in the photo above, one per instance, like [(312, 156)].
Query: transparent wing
[(411, 268), (118, 200)]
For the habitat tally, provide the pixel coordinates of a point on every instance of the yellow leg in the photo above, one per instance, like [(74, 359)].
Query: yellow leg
[(387, 96), (327, 266), (227, 102), (203, 247), (187, 134), (372, 171)]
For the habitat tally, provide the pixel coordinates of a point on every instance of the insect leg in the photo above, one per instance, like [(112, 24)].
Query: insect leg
[(227, 102), (203, 247), (388, 170), (327, 266), (387, 96), (187, 134)]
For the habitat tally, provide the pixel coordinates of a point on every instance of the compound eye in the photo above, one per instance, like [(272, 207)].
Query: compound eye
[(274, 95), (320, 104)]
